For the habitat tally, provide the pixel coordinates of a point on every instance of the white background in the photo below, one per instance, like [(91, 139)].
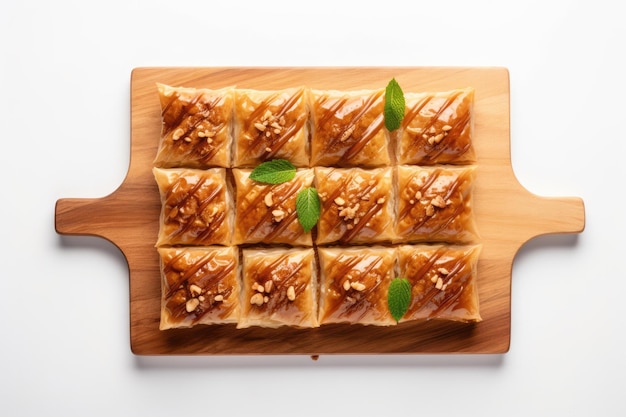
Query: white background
[(64, 132)]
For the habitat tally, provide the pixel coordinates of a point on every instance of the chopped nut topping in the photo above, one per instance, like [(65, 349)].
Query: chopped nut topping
[(268, 286), (260, 126), (418, 195), (187, 139), (381, 200), (432, 129), (439, 284), (266, 299), (443, 271), (340, 201), (349, 213), (438, 201), (346, 285), (291, 293), (347, 133), (358, 286), (430, 210), (178, 133), (269, 199), (219, 298), (279, 215), (192, 304), (257, 299), (445, 128), (434, 279), (195, 290), (201, 298)]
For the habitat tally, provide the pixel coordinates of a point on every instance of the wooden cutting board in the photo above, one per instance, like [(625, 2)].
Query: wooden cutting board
[(507, 217)]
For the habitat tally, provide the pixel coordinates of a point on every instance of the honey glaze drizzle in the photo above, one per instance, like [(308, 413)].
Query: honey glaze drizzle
[(217, 269), (342, 266), (275, 142), (190, 223), (285, 191), (351, 149), (441, 223), (431, 152), (434, 301), (274, 271)]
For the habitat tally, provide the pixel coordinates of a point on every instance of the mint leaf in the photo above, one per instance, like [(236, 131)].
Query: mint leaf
[(399, 297), (274, 172), (394, 105), (308, 208)]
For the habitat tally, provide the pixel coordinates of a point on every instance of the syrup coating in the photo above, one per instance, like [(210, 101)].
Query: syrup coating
[(443, 280), (437, 128), (279, 288), (196, 124), (354, 283), (271, 125), (348, 129), (196, 207), (199, 285)]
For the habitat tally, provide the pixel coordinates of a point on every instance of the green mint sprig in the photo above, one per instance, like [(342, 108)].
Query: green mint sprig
[(308, 208), (399, 297), (394, 105), (276, 171)]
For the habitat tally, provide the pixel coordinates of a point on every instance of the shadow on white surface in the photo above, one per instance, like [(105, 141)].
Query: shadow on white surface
[(342, 361), (93, 244), (549, 241)]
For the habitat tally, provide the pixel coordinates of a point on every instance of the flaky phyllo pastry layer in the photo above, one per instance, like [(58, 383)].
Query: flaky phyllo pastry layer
[(392, 204)]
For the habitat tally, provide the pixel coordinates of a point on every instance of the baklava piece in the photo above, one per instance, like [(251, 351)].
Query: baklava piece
[(435, 204), (271, 125), (437, 128), (196, 127), (443, 280), (356, 205), (199, 286), (196, 207), (354, 283), (279, 288), (348, 129), (266, 213)]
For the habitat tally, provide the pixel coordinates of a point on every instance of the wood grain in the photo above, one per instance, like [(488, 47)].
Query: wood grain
[(507, 216)]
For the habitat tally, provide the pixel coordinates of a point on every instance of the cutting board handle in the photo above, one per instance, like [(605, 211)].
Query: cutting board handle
[(551, 215)]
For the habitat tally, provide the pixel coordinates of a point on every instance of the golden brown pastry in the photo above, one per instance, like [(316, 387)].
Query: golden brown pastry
[(435, 204), (356, 205), (196, 127), (443, 280), (437, 128), (271, 125), (196, 207), (266, 213), (354, 283), (199, 286), (279, 288), (348, 129)]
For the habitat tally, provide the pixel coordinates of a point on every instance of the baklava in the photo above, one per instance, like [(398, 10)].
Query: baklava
[(196, 127), (279, 288), (199, 286)]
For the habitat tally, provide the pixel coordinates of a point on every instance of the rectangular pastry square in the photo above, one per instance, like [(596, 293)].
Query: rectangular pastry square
[(353, 285), (199, 286), (279, 288), (443, 280), (437, 128), (271, 125), (434, 204), (266, 213), (196, 127), (196, 207), (348, 129), (356, 205)]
